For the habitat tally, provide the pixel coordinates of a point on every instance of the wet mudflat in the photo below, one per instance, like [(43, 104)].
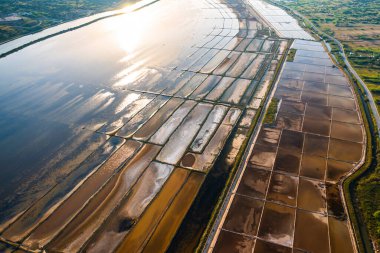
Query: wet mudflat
[(136, 131), (298, 161)]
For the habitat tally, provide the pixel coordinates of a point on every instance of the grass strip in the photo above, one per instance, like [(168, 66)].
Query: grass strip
[(291, 55), (271, 113)]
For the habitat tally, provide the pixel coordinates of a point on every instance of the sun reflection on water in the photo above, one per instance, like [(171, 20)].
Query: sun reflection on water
[(130, 29)]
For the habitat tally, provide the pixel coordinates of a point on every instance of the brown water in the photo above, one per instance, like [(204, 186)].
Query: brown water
[(137, 237), (283, 189), (313, 167), (254, 183), (311, 224), (169, 223), (277, 224), (231, 242), (287, 161), (244, 215), (297, 163)]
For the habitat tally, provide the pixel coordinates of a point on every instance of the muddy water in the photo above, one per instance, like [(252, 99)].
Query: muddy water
[(226, 63), (345, 150), (339, 90), (319, 112), (217, 92), (297, 162), (341, 102), (287, 161), (203, 162), (345, 131), (147, 187), (288, 94), (49, 201), (264, 247), (241, 64), (317, 126), (234, 93), (158, 119), (206, 87), (231, 242), (244, 215), (339, 236), (291, 140), (131, 105), (198, 65), (254, 183), (316, 145), (128, 92), (137, 237), (263, 155), (313, 167), (169, 223), (74, 203), (270, 136), (215, 61), (79, 230), (308, 224), (283, 189), (191, 85), (209, 127), (337, 169), (312, 196), (277, 224), (289, 121), (46, 99), (78, 149), (292, 108), (314, 98), (345, 116), (334, 201), (184, 134), (166, 129), (141, 117)]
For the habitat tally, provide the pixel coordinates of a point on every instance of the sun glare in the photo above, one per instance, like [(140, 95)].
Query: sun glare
[(129, 29)]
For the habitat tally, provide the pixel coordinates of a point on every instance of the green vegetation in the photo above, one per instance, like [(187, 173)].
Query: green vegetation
[(368, 193), (356, 23), (21, 17), (291, 55), (353, 195), (270, 116)]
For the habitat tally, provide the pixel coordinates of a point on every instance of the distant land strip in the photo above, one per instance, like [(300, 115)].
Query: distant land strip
[(71, 29)]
